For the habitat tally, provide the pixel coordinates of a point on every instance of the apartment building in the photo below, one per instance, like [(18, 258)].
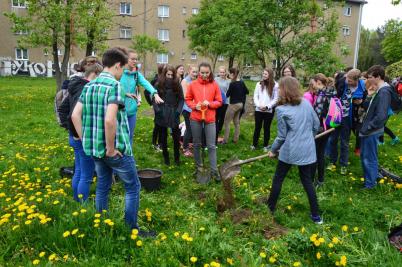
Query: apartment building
[(162, 19)]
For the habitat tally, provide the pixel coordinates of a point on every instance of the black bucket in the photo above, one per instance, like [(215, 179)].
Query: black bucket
[(150, 179)]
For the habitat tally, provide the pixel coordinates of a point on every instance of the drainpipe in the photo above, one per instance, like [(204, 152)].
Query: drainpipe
[(358, 36)]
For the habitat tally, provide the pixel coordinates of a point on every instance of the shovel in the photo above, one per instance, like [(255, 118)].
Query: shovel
[(203, 176), (232, 167)]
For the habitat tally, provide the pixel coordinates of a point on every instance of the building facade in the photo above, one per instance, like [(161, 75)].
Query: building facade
[(162, 19)]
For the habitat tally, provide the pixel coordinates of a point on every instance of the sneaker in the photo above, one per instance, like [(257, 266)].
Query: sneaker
[(187, 153), (266, 148), (157, 148), (395, 141), (331, 167), (317, 219), (344, 170), (357, 152), (215, 175), (380, 143), (252, 147), (147, 234), (318, 184)]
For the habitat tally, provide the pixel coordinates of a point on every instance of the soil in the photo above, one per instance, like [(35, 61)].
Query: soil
[(227, 202), (241, 216), (274, 230)]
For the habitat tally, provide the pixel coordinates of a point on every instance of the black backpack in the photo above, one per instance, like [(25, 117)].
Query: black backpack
[(396, 101), (61, 105)]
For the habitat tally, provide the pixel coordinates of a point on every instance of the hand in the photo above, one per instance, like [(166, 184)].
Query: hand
[(271, 154), (113, 152), (130, 95), (205, 103), (371, 91), (158, 100), (262, 108), (138, 103), (198, 106)]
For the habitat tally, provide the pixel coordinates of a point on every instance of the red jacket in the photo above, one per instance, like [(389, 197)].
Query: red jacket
[(200, 90)]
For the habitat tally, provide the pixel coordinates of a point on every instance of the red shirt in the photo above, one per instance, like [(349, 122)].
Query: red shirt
[(200, 90)]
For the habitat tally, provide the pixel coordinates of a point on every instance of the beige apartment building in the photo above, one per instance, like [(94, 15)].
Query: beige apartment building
[(162, 19)]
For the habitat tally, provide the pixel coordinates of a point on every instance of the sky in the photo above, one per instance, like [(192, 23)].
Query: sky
[(377, 12)]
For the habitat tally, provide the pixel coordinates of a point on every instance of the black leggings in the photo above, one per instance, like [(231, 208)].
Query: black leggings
[(319, 166), (187, 134), (176, 143), (220, 118), (389, 132), (156, 139), (305, 173), (260, 118)]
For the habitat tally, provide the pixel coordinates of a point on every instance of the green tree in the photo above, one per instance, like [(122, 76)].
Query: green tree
[(264, 30), (392, 43), (370, 49), (144, 44), (60, 24)]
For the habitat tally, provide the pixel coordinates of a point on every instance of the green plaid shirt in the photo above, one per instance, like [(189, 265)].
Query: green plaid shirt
[(95, 97)]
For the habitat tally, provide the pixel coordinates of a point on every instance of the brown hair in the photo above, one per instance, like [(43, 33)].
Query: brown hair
[(270, 83), (310, 86), (95, 68), (353, 74), (207, 65), (162, 80), (370, 83), (235, 73), (290, 67), (86, 62), (331, 82), (322, 78), (289, 91)]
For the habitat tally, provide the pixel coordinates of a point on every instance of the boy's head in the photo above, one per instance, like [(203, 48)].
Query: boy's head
[(377, 73), (352, 77), (114, 59), (92, 71)]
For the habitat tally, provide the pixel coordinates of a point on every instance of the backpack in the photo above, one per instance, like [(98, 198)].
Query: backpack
[(61, 101), (396, 99), (334, 115)]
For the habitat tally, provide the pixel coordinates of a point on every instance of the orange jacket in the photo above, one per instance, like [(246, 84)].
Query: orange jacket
[(200, 90)]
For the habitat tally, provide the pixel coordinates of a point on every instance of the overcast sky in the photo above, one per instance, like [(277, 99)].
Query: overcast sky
[(377, 12)]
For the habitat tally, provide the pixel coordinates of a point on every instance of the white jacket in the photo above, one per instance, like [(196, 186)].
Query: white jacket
[(261, 98)]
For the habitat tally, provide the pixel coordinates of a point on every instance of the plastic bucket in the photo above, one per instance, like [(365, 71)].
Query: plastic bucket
[(150, 179)]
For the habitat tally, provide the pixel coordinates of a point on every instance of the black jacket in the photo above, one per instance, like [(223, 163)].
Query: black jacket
[(377, 113), (167, 114), (74, 91)]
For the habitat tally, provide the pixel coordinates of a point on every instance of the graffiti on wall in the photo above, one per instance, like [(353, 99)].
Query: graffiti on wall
[(27, 68)]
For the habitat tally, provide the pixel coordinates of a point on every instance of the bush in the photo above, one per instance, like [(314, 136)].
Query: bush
[(394, 70)]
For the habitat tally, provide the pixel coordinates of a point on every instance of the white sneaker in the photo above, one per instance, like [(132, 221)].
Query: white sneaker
[(266, 148), (252, 147)]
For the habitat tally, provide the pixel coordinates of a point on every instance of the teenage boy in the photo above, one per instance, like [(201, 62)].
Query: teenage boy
[(373, 124), (100, 119), (351, 91)]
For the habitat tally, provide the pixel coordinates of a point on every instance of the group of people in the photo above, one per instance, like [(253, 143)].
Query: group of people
[(103, 102)]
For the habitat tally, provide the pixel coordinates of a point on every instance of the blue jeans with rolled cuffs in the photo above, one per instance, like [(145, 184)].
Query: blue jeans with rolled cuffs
[(84, 167), (125, 168)]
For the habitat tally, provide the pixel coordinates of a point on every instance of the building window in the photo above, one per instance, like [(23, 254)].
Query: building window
[(184, 10), (193, 56), (194, 11), (125, 8), (162, 59), (18, 3), (347, 11), (125, 32), (183, 33), (163, 11), (21, 32), (21, 54), (163, 35), (221, 58), (93, 53), (346, 31), (59, 53)]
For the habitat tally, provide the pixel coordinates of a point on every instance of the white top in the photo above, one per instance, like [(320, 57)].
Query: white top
[(261, 98)]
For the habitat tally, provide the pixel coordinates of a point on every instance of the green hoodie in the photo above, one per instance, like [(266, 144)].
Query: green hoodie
[(129, 81)]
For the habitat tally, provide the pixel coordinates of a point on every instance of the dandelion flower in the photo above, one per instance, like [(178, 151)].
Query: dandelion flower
[(66, 234), (65, 257), (229, 260), (83, 210), (335, 240), (193, 259), (56, 202), (356, 229), (28, 222), (73, 232), (345, 228), (75, 213), (97, 215), (263, 255), (42, 254), (343, 260), (272, 259), (35, 262), (81, 235), (318, 255), (52, 257), (139, 243), (296, 264)]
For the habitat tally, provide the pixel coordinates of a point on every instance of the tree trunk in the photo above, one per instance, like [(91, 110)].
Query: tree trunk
[(56, 65), (214, 59), (90, 42), (231, 61)]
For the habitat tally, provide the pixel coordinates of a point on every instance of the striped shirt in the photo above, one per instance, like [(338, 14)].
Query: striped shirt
[(95, 97)]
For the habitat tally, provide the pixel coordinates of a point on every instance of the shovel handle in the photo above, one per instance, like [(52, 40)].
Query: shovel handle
[(203, 110), (324, 133)]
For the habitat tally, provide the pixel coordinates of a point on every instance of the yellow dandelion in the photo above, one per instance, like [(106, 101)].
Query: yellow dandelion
[(263, 255), (65, 257), (343, 260), (97, 215), (313, 237), (35, 262), (176, 234), (356, 229), (52, 257), (56, 202), (335, 240), (139, 243), (193, 259), (229, 260), (73, 232), (83, 210), (318, 255), (75, 213), (345, 228), (27, 222), (296, 264), (66, 234), (272, 259)]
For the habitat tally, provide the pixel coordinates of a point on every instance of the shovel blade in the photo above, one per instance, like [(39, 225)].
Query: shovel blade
[(203, 176), (230, 169)]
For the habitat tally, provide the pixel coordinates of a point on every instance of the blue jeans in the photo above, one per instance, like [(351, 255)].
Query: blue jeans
[(84, 167), (125, 168), (369, 159), (342, 133), (132, 120)]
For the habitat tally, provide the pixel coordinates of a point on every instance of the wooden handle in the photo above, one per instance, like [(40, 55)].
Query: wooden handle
[(203, 110), (324, 133)]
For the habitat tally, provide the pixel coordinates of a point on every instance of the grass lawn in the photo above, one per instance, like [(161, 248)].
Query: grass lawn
[(41, 224)]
